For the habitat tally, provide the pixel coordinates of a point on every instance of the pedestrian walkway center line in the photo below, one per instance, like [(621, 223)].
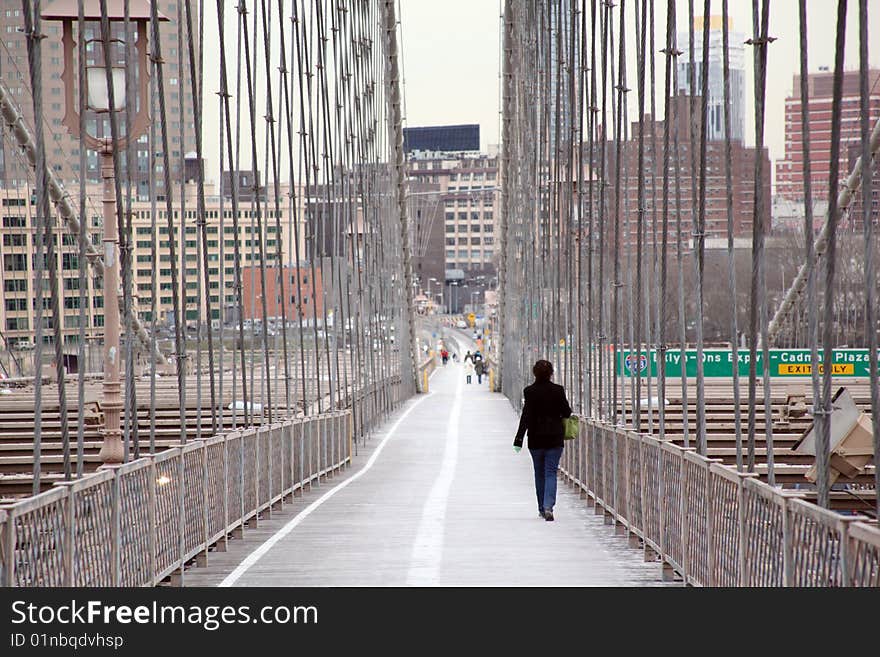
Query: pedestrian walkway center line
[(257, 554), (427, 550)]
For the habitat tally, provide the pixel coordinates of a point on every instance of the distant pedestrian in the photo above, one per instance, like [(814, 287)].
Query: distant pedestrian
[(454, 357), (468, 371), (545, 405), (445, 356), (479, 367)]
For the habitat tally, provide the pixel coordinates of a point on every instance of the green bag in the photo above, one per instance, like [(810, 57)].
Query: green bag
[(570, 424)]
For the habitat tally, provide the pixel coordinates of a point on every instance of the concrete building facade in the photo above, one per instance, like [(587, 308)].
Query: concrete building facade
[(17, 232), (62, 151), (468, 183)]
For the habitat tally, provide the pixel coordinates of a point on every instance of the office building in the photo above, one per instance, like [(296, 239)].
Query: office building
[(790, 169), (442, 138), (17, 232), (468, 185), (62, 151), (715, 102), (742, 178)]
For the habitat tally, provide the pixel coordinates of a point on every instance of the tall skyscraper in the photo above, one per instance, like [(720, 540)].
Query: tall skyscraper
[(567, 55), (715, 125), (62, 151), (790, 170)]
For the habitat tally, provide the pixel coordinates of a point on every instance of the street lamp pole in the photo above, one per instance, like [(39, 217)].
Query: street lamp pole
[(111, 448), (102, 85)]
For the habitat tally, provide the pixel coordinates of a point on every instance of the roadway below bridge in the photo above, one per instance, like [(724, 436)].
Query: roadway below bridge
[(437, 497)]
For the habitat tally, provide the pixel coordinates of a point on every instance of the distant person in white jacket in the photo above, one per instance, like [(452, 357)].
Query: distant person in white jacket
[(468, 370)]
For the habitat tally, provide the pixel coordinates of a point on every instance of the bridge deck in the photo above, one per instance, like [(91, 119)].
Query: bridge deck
[(438, 498)]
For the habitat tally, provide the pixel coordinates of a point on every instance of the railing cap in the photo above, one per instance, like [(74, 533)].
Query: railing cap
[(31, 503), (106, 473), (865, 530)]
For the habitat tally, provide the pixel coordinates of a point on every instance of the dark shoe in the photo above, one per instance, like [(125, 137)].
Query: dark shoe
[(548, 515), (540, 513)]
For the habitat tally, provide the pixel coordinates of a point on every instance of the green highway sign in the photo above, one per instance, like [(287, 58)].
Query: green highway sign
[(718, 363)]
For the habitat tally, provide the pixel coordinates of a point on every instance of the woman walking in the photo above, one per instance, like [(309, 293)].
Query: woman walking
[(545, 405), (468, 370)]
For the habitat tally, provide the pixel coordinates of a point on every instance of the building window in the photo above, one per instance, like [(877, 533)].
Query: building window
[(14, 262), (16, 304)]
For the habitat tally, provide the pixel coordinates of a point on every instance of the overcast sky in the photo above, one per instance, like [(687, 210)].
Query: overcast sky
[(450, 56)]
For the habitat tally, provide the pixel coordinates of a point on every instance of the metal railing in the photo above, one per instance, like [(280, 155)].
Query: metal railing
[(425, 370), (712, 525), (137, 523)]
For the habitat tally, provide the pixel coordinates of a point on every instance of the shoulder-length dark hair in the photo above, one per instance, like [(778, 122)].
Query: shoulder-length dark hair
[(543, 370)]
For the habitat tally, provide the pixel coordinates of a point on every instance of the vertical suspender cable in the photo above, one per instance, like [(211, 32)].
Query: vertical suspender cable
[(195, 76), (699, 233), (822, 448), (867, 207), (125, 250), (31, 25), (811, 310), (731, 264), (640, 225), (227, 121), (83, 236), (758, 296), (154, 283), (179, 346), (671, 53)]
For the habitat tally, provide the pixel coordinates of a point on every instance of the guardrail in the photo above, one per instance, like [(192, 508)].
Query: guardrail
[(137, 523), (712, 525), (426, 369)]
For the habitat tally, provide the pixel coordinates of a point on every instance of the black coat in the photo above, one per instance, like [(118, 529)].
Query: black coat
[(545, 406)]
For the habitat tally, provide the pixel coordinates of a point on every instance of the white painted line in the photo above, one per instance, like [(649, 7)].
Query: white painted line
[(427, 550), (255, 556)]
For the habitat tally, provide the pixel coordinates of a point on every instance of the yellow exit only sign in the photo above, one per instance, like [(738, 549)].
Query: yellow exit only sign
[(804, 369)]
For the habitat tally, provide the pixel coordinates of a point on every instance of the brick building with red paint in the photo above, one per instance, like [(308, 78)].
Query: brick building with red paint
[(303, 292), (790, 169)]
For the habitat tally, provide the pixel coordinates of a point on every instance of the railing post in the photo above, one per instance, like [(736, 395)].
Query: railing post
[(5, 555), (787, 545), (151, 519), (205, 529), (181, 514), (710, 530), (845, 566), (661, 506), (257, 476), (68, 545), (224, 539), (8, 547), (741, 530), (846, 557), (116, 527), (684, 526)]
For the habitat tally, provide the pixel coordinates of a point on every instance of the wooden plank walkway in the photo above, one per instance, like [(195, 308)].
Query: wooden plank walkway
[(437, 498)]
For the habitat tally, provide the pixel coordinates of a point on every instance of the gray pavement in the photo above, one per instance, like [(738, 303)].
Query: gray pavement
[(437, 498)]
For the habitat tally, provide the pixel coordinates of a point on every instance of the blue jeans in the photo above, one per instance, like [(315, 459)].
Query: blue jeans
[(546, 461)]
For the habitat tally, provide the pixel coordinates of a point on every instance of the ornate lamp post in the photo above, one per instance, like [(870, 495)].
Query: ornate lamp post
[(98, 104)]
